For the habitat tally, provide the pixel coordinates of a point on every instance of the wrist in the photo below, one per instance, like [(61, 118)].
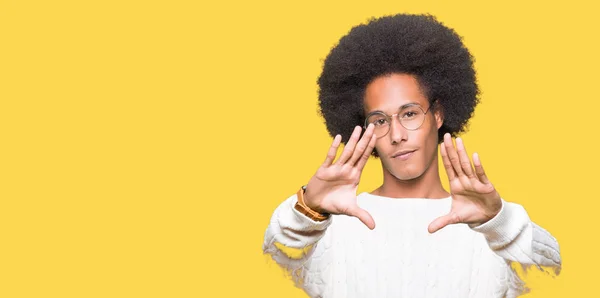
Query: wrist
[(307, 198), (312, 212), (493, 209)]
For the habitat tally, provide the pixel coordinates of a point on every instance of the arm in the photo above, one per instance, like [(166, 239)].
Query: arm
[(513, 236), (331, 190), (293, 240), (290, 236), (506, 226)]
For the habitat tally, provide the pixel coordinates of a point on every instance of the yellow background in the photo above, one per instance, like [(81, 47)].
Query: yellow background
[(145, 144)]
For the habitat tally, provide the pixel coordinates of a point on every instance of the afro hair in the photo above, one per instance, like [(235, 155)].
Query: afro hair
[(417, 45)]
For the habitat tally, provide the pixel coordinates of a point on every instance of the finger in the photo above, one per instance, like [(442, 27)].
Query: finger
[(333, 150), (365, 157), (442, 221), (349, 148), (362, 144), (446, 161), (363, 216), (452, 155), (479, 169), (465, 163)]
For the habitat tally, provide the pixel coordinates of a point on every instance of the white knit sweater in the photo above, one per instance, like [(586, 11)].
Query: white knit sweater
[(399, 258)]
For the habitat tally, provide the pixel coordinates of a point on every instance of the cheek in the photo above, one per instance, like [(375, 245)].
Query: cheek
[(379, 147), (431, 148), (428, 144)]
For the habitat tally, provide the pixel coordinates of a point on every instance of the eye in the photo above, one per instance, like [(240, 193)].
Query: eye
[(377, 119), (379, 122), (409, 114)]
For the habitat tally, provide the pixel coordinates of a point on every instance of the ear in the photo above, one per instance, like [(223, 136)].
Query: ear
[(439, 115)]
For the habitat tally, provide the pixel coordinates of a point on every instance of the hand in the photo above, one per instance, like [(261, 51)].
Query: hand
[(474, 198), (333, 188)]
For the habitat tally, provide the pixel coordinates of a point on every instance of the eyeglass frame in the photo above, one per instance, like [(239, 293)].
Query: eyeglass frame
[(389, 118)]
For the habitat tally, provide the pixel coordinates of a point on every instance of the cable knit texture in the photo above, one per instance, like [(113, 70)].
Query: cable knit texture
[(400, 258)]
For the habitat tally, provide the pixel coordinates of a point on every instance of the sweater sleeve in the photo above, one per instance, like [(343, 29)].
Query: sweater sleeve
[(514, 237), (291, 236)]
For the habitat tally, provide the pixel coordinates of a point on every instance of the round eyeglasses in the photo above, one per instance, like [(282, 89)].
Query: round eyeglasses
[(411, 117)]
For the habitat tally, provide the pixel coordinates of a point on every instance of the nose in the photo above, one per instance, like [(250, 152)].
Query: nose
[(397, 132)]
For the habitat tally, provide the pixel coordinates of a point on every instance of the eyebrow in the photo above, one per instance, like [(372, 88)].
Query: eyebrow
[(400, 108)]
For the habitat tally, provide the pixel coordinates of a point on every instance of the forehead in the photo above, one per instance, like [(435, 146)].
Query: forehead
[(390, 92)]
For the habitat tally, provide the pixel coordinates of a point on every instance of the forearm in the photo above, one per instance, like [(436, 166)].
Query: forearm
[(513, 236), (291, 236)]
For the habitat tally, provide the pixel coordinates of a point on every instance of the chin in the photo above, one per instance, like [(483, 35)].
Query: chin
[(407, 173)]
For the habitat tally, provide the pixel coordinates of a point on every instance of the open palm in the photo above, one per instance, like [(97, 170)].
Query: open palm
[(333, 187), (474, 198)]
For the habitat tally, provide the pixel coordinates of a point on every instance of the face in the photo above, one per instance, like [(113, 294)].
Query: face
[(388, 94)]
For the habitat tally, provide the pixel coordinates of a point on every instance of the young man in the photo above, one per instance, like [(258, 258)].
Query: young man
[(409, 82)]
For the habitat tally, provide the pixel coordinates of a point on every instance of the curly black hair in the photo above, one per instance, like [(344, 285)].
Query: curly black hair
[(418, 45)]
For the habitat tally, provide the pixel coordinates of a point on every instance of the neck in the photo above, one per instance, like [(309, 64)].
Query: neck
[(428, 185)]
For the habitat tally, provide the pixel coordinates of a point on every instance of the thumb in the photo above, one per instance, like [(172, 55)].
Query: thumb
[(363, 216), (442, 221)]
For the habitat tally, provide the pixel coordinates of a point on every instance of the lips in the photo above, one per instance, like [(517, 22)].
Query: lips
[(404, 154)]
